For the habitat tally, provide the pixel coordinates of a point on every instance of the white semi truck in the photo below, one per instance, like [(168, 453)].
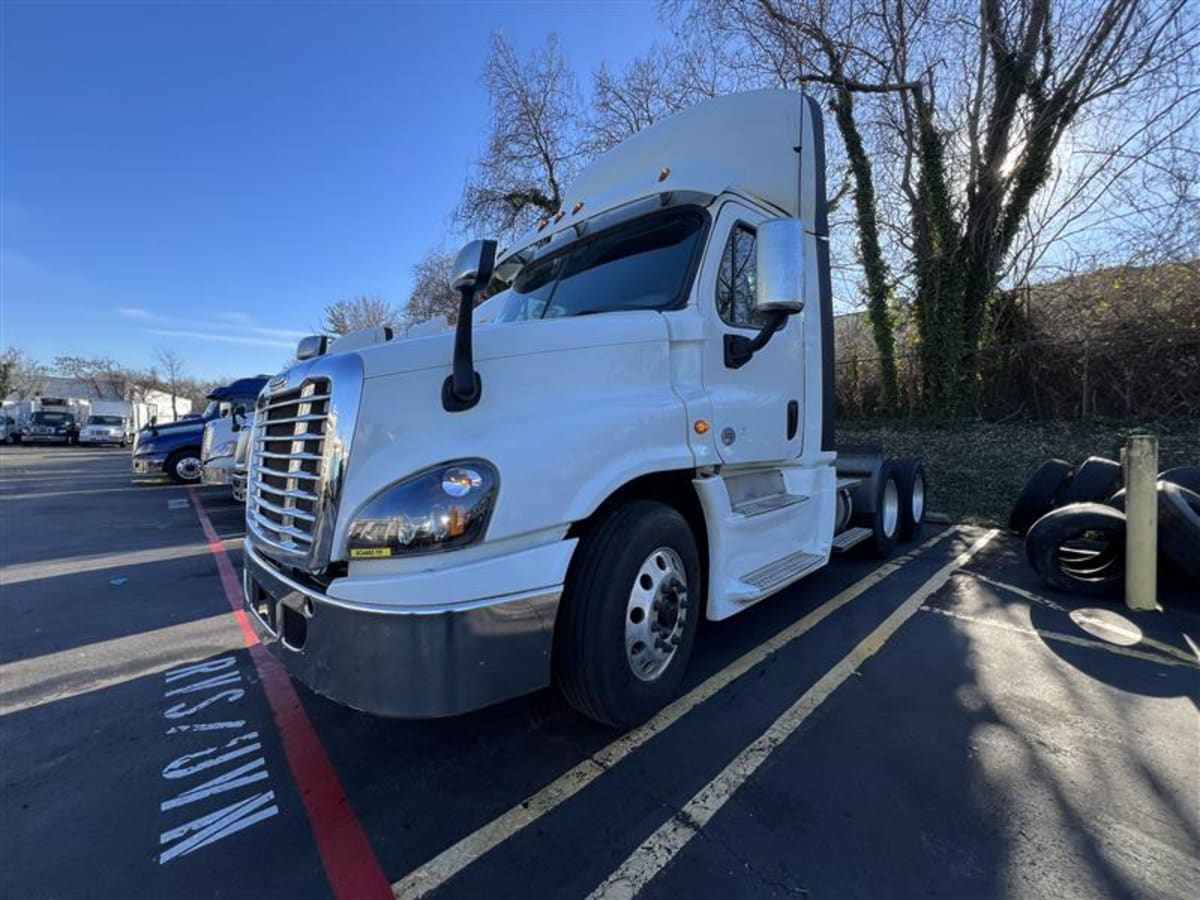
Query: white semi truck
[(643, 436)]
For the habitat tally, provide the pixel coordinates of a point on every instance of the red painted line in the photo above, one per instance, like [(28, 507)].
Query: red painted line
[(350, 864)]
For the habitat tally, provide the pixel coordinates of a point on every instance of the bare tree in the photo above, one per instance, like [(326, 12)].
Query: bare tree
[(21, 376), (952, 122), (432, 294), (172, 375), (104, 376), (344, 316), (535, 142), (661, 82)]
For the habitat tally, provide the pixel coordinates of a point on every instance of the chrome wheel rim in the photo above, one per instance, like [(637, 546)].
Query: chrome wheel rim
[(188, 468), (656, 614), (918, 497), (891, 507)]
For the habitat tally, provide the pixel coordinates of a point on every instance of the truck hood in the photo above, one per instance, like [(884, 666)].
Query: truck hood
[(196, 425), (589, 398), (495, 341)]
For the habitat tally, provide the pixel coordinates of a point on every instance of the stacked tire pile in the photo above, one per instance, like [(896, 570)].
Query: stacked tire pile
[(1073, 520)]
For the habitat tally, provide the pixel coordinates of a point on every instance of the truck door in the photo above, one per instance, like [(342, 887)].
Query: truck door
[(758, 408)]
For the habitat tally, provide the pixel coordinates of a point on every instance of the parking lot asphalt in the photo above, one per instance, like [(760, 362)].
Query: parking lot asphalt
[(936, 725)]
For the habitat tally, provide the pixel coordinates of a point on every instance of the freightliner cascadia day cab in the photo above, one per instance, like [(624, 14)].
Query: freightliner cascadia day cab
[(642, 436)]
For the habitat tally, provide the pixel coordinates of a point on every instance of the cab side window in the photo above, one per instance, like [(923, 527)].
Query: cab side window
[(735, 280)]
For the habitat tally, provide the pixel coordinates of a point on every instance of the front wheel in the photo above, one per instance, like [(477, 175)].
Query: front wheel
[(183, 467), (629, 614)]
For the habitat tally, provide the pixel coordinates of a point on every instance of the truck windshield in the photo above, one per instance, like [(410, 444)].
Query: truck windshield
[(52, 418), (104, 420), (643, 264)]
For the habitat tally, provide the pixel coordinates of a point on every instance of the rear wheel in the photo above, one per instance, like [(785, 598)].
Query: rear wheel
[(910, 474), (885, 521), (183, 466), (629, 614)]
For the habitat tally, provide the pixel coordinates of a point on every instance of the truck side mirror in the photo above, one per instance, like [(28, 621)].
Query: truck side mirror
[(472, 271), (778, 288), (236, 417), (473, 266), (779, 266), (313, 345)]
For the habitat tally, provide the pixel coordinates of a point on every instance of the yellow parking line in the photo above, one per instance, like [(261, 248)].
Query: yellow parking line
[(457, 857), (654, 853)]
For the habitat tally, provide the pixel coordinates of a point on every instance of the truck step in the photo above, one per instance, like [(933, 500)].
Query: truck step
[(760, 505), (851, 537), (782, 570)]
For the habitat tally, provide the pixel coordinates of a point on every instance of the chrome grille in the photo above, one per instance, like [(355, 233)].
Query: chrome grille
[(288, 467)]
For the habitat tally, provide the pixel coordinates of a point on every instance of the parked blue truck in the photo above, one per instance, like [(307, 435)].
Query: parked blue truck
[(174, 450)]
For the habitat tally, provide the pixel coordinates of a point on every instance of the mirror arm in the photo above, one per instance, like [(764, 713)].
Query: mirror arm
[(740, 349), (462, 389)]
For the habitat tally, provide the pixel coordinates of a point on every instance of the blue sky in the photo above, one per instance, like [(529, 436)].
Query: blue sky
[(207, 176)]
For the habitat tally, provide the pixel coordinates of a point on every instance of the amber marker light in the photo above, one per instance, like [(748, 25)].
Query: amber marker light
[(700, 426), (663, 173), (578, 207)]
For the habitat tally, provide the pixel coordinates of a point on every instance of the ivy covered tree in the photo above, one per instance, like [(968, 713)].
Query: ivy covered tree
[(953, 121)]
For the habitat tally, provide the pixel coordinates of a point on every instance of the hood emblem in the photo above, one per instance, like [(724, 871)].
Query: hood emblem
[(276, 383)]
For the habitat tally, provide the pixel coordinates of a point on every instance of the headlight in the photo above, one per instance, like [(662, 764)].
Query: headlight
[(225, 449), (442, 508)]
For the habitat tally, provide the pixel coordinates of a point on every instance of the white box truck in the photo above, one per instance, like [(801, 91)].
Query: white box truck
[(109, 422), (641, 437), (55, 420)]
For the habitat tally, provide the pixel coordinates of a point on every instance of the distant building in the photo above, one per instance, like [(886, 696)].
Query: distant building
[(159, 402)]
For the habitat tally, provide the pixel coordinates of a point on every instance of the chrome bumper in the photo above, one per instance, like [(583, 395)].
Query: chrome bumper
[(148, 465), (406, 663), (218, 475)]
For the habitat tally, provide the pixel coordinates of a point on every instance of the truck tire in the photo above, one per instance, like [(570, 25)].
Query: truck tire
[(885, 521), (910, 473), (629, 613), (183, 466), (1040, 493), (1187, 477), (1094, 481), (1179, 527), (1079, 548)]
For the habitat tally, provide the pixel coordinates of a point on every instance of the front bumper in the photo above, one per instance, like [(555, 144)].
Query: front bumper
[(237, 480), (149, 464), (217, 471), (407, 662), (100, 439), (45, 438)]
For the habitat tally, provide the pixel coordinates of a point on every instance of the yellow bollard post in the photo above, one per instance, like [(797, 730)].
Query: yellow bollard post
[(1141, 522)]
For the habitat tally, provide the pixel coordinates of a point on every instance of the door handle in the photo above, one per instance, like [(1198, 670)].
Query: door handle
[(793, 418)]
